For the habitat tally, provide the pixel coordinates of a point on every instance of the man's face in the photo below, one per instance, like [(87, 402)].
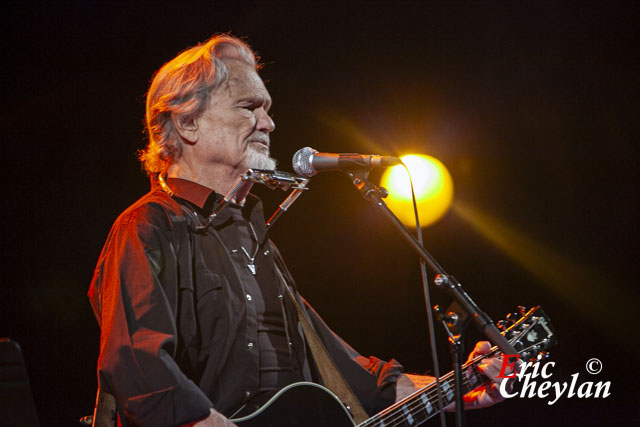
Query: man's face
[(234, 129)]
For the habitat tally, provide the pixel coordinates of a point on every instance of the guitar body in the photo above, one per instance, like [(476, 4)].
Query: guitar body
[(299, 404)]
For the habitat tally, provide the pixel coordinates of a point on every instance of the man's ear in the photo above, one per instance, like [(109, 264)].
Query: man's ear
[(187, 127)]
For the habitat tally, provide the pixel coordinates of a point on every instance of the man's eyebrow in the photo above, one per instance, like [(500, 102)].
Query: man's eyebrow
[(257, 100)]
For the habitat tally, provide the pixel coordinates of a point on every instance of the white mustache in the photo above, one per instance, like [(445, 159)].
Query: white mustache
[(261, 139)]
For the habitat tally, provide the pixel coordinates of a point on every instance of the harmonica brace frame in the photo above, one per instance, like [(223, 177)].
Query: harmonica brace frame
[(273, 180)]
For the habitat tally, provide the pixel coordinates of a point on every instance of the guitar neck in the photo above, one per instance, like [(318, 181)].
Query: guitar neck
[(423, 404)]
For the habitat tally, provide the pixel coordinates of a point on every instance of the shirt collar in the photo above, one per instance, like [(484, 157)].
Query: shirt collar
[(191, 191), (205, 198)]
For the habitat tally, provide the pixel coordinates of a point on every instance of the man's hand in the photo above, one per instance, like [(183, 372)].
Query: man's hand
[(486, 395), (215, 419)]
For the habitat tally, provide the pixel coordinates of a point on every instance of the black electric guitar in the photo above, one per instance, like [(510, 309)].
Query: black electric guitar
[(309, 404)]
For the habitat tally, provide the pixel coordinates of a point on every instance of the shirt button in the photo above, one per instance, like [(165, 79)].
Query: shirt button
[(266, 252), (248, 297), (247, 393), (250, 345)]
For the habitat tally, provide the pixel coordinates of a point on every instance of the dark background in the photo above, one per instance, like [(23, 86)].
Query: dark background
[(532, 106)]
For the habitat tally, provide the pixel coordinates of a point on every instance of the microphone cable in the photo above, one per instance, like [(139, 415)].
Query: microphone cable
[(427, 300)]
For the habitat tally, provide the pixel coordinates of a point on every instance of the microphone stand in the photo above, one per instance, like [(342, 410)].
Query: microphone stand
[(444, 281), (454, 321)]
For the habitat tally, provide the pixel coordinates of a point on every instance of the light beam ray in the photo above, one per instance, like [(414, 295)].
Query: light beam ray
[(586, 289), (350, 130)]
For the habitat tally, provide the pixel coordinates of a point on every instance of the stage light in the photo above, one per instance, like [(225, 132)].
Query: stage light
[(433, 186)]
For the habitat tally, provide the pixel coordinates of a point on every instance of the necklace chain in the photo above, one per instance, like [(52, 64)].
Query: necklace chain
[(251, 266)]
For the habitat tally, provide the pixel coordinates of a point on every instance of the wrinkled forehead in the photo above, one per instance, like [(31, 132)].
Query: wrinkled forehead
[(243, 80)]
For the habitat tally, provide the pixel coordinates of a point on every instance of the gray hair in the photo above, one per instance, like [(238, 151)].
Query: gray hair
[(183, 87)]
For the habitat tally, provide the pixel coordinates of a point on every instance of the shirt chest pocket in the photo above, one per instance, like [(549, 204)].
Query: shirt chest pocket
[(202, 307), (209, 288), (214, 303), (217, 300)]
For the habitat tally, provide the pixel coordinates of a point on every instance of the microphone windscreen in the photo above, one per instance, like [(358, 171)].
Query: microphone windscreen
[(302, 162)]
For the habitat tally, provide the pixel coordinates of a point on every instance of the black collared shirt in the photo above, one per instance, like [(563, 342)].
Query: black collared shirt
[(240, 233), (179, 331)]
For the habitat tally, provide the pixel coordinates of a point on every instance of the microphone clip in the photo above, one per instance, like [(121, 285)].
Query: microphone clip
[(368, 190)]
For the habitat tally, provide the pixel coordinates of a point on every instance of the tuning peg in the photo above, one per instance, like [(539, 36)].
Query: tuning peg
[(503, 325), (542, 355), (438, 312), (518, 314), (513, 317)]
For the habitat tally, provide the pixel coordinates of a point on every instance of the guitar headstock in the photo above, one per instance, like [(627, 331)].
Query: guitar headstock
[(529, 332)]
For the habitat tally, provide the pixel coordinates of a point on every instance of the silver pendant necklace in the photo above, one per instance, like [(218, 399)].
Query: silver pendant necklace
[(251, 266)]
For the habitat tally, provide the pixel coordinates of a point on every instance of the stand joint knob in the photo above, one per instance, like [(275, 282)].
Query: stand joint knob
[(440, 280)]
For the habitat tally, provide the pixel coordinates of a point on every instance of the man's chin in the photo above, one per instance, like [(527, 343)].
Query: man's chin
[(259, 159)]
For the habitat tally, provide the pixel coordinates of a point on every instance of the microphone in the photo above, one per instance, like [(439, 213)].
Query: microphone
[(308, 162)]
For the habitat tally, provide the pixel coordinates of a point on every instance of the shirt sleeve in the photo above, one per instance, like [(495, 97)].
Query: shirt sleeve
[(134, 294)]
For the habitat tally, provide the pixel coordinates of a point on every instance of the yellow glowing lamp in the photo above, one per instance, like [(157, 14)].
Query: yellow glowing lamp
[(432, 183)]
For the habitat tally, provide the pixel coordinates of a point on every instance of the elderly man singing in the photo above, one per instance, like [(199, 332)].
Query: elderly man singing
[(200, 320)]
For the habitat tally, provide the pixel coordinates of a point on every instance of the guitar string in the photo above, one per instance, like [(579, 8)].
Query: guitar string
[(418, 406), (398, 416), (395, 415), (398, 413), (415, 408)]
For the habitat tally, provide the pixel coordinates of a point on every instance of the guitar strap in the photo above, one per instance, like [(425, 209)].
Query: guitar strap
[(329, 373), (104, 413)]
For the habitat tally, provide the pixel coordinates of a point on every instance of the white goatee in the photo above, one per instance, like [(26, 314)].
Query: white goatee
[(258, 158)]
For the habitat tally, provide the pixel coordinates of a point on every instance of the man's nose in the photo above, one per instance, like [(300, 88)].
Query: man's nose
[(265, 122)]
